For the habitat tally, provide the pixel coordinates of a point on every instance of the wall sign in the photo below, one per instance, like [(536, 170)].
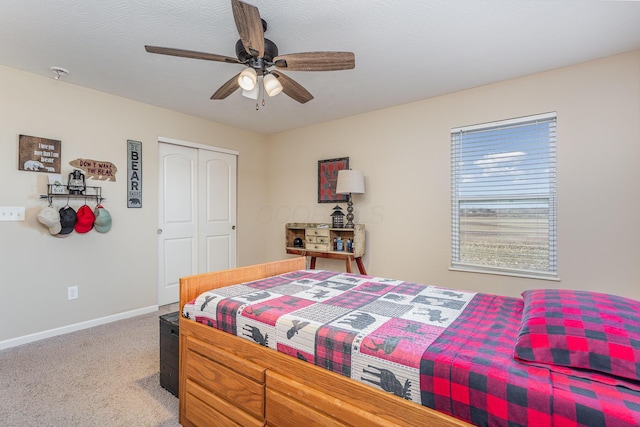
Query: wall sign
[(38, 154), (96, 169), (134, 174)]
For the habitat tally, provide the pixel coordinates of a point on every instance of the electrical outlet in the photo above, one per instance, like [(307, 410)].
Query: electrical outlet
[(72, 292), (11, 213)]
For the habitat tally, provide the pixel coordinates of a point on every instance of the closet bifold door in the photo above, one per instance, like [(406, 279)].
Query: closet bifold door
[(196, 214)]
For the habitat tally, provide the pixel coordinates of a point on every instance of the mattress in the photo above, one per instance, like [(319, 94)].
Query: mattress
[(447, 349)]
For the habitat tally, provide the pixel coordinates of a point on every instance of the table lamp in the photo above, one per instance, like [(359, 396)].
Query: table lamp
[(350, 182)]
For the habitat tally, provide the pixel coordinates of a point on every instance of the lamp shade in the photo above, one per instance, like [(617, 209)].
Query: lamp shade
[(350, 181), (248, 78), (271, 85), (253, 93)]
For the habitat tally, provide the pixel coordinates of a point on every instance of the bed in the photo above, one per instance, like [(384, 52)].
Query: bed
[(409, 355)]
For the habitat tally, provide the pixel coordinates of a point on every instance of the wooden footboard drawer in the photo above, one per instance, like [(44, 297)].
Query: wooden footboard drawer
[(229, 381), (283, 411), (238, 364), (216, 411), (293, 403)]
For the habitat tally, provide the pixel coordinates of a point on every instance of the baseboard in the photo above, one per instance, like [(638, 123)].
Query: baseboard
[(14, 342)]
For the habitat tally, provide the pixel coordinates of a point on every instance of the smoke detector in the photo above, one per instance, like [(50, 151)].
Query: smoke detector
[(59, 72)]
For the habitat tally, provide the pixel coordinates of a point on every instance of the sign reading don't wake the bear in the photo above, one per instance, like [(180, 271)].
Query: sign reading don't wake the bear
[(134, 174), (96, 169), (38, 154)]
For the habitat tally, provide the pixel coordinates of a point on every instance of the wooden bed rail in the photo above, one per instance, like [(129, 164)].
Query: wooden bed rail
[(192, 286)]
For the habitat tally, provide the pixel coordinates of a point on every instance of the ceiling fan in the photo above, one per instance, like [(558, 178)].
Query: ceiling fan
[(259, 54)]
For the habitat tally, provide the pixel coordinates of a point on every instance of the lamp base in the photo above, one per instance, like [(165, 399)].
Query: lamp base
[(349, 223)]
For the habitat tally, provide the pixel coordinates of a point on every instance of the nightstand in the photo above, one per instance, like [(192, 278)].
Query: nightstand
[(169, 351), (321, 241)]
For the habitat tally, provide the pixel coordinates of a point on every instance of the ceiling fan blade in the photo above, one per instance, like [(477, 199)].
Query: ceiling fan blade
[(191, 54), (316, 61), (249, 26), (293, 88), (227, 89)]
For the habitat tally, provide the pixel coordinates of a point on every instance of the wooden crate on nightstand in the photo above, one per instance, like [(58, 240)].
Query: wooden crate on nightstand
[(169, 351)]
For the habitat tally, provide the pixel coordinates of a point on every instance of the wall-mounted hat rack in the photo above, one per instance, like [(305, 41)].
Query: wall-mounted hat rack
[(61, 191)]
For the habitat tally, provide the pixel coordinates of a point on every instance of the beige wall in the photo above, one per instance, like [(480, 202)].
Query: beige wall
[(116, 271), (403, 151), (404, 154)]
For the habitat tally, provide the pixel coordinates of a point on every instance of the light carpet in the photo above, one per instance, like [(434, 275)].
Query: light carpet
[(107, 375)]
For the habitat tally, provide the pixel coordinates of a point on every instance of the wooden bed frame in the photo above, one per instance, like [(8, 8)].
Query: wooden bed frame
[(230, 381)]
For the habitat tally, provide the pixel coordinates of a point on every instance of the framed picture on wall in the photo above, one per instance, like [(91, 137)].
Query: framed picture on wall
[(37, 154), (327, 177)]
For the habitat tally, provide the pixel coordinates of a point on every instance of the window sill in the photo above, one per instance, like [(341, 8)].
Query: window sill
[(513, 273)]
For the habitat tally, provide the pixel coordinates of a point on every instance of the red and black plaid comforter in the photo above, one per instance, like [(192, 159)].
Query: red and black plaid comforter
[(446, 349), (470, 372)]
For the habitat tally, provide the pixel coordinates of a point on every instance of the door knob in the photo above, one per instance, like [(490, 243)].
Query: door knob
[(159, 230), (233, 227)]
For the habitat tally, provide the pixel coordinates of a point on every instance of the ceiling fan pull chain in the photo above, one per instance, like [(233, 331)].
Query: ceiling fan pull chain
[(258, 95)]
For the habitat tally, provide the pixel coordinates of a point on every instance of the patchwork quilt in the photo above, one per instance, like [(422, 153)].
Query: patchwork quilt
[(446, 349)]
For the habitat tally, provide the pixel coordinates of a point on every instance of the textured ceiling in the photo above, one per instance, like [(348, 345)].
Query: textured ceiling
[(405, 50)]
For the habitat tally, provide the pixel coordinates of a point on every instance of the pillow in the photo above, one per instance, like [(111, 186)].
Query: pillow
[(580, 329)]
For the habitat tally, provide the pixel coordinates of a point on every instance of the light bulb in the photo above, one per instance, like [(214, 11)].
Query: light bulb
[(253, 93), (272, 85), (248, 78)]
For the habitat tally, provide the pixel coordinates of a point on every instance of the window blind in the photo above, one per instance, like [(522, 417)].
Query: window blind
[(503, 197)]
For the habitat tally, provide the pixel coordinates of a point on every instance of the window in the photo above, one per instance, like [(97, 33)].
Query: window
[(503, 197)]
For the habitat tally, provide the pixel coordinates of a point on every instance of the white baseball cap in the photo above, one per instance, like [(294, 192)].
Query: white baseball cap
[(50, 218)]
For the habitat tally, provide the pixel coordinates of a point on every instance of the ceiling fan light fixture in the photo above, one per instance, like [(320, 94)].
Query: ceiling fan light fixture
[(248, 79), (271, 85), (253, 93)]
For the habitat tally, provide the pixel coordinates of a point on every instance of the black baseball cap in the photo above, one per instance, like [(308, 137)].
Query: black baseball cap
[(68, 219)]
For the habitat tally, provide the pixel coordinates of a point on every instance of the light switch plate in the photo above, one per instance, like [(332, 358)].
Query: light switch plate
[(11, 213)]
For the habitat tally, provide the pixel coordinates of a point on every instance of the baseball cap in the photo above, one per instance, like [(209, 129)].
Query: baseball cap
[(85, 218), (51, 219), (103, 219), (68, 219)]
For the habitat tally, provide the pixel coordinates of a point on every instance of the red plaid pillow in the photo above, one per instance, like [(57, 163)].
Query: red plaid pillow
[(581, 329)]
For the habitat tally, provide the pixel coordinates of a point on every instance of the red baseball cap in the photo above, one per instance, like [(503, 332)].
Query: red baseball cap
[(85, 219)]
